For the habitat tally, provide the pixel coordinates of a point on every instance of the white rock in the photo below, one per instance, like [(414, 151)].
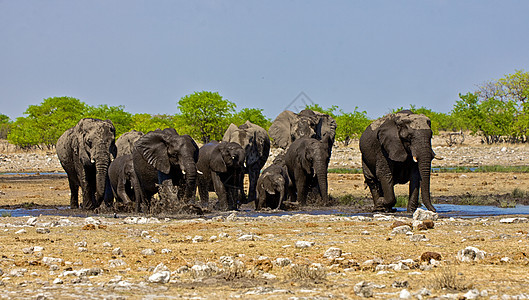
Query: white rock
[(148, 251), (421, 215), (80, 244), (472, 294), (283, 261), (21, 231), (304, 244), (116, 263), (91, 220), (165, 251), (42, 230), (58, 281), (32, 221), (82, 249), (249, 237), (363, 289), (52, 260), (117, 252), (404, 294), (107, 244), (198, 239), (160, 277), (269, 276), (27, 250), (401, 230), (471, 254), (145, 234), (513, 220), (332, 253), (418, 238)]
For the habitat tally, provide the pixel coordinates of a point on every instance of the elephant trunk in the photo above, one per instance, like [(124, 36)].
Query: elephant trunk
[(320, 170), (424, 155), (101, 181), (190, 170)]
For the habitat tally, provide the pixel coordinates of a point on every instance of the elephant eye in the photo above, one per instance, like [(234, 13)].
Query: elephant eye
[(89, 143)]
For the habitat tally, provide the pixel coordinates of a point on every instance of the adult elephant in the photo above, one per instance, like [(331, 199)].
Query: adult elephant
[(220, 166), (256, 144), (85, 152), (397, 149), (125, 142), (164, 157), (289, 126), (123, 180), (307, 160)]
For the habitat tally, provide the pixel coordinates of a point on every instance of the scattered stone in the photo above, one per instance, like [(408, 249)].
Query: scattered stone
[(42, 230), (116, 263), (399, 223), (91, 220), (58, 281), (333, 253), (28, 250), (89, 227), (282, 261), (418, 238), (198, 239), (470, 254), (400, 284), (404, 294), (148, 251), (264, 264), (161, 274), (421, 215), (429, 224), (107, 244), (472, 294), (80, 244), (428, 256), (513, 220), (249, 237), (117, 252), (32, 221), (21, 231), (363, 289), (165, 251), (52, 260), (506, 259), (82, 249), (303, 244), (404, 229)]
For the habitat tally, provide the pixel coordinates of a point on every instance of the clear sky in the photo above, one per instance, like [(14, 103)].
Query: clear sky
[(146, 55)]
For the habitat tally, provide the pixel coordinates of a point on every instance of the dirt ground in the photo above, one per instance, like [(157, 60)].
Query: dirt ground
[(275, 255)]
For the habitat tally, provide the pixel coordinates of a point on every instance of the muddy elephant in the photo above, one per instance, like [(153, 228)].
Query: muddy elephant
[(85, 152), (307, 160), (397, 149), (125, 142), (164, 157), (289, 126), (220, 166), (123, 180), (272, 185), (256, 144)]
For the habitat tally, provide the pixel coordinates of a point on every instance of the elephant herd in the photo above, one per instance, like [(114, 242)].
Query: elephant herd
[(128, 172)]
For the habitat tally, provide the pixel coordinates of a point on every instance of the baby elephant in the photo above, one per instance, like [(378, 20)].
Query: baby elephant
[(272, 185), (220, 166), (123, 180)]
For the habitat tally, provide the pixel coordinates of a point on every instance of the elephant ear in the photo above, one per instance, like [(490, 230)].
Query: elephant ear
[(152, 146), (230, 134), (280, 130), (216, 163), (388, 136)]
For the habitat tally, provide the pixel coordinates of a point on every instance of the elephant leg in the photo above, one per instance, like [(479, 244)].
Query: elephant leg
[(220, 190), (253, 175), (203, 192), (74, 191), (121, 193), (301, 188), (374, 187), (88, 190), (415, 183), (108, 198)]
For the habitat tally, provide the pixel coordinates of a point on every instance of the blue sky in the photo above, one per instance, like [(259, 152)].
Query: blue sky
[(146, 55)]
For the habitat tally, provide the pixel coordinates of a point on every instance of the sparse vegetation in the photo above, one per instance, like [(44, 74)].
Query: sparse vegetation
[(448, 278)]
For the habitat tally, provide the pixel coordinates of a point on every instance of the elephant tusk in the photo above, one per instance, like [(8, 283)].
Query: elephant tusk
[(438, 157), (199, 172), (93, 161), (414, 158), (183, 172)]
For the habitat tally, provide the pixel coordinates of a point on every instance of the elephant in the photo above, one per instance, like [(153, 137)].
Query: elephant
[(220, 166), (289, 126), (307, 160), (397, 149), (272, 185), (126, 141), (85, 152), (123, 179), (256, 144), (164, 157)]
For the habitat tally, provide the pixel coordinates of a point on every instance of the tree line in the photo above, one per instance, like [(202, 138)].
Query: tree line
[(497, 110)]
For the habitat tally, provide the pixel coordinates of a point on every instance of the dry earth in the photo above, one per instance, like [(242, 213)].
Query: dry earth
[(272, 256)]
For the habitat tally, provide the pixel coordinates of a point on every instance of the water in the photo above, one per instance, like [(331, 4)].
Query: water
[(444, 210)]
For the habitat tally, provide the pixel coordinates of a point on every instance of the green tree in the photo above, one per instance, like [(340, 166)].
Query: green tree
[(121, 119), (5, 123), (147, 122), (351, 124), (254, 115), (46, 122), (207, 113)]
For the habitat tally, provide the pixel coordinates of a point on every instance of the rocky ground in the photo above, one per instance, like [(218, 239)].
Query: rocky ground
[(274, 255)]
